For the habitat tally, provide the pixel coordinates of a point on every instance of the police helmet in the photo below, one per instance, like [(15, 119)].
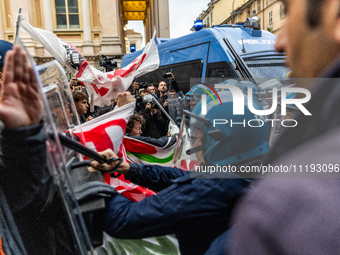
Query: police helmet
[(219, 137)]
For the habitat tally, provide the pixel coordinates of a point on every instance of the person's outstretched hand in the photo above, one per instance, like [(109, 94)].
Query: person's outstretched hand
[(20, 100), (106, 167), (125, 98)]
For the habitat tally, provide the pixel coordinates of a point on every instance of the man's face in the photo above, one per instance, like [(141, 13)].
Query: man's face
[(81, 106), (173, 94), (137, 129), (162, 86), (152, 89), (309, 50), (135, 85), (143, 92)]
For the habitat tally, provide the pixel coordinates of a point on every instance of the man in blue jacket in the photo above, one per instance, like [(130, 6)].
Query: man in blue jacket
[(197, 209)]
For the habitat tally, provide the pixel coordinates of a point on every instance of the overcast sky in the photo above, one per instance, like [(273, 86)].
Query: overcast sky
[(182, 16)]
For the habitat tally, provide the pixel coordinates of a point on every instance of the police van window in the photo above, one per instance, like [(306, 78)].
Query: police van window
[(218, 71), (184, 71), (155, 76), (266, 64)]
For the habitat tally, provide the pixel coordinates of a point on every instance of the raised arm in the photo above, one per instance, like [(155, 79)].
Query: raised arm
[(23, 141), (20, 101), (153, 177)]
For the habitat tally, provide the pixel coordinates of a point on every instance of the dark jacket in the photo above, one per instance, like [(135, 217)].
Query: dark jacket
[(164, 141), (162, 99), (31, 194), (196, 210), (154, 123), (298, 216), (139, 104)]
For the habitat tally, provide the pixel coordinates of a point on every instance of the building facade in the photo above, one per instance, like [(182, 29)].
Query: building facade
[(270, 13), (95, 27), (133, 40)]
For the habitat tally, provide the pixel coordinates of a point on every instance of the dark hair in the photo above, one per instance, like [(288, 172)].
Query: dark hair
[(144, 85), (134, 118), (104, 110), (1, 68), (172, 90), (78, 96), (313, 12)]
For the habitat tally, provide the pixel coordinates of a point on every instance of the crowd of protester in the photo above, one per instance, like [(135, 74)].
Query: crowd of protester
[(155, 123), (208, 215)]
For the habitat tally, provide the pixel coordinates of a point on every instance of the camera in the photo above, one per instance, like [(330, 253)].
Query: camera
[(167, 75), (153, 104), (108, 62)]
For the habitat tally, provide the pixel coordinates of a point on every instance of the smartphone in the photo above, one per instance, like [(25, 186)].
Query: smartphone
[(167, 75)]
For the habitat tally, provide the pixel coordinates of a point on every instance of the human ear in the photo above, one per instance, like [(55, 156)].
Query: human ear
[(337, 24)]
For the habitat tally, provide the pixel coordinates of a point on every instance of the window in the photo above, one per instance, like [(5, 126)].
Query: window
[(238, 18), (270, 20), (67, 14), (208, 24), (260, 23), (218, 72), (268, 2), (211, 18), (265, 65), (258, 6), (155, 76), (282, 11), (184, 71)]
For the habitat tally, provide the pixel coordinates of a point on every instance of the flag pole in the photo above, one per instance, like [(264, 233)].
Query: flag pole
[(17, 25)]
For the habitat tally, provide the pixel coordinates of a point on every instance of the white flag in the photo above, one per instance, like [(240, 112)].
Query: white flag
[(103, 86)]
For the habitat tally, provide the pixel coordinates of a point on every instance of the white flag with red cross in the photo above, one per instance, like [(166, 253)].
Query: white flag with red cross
[(103, 86), (107, 132)]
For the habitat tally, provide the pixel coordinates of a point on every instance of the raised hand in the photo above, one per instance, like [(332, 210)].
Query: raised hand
[(125, 98), (20, 100)]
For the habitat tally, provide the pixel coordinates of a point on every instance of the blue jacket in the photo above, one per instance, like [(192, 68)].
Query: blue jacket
[(196, 210)]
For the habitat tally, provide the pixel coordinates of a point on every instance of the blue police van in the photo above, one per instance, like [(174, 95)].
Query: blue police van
[(219, 53)]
